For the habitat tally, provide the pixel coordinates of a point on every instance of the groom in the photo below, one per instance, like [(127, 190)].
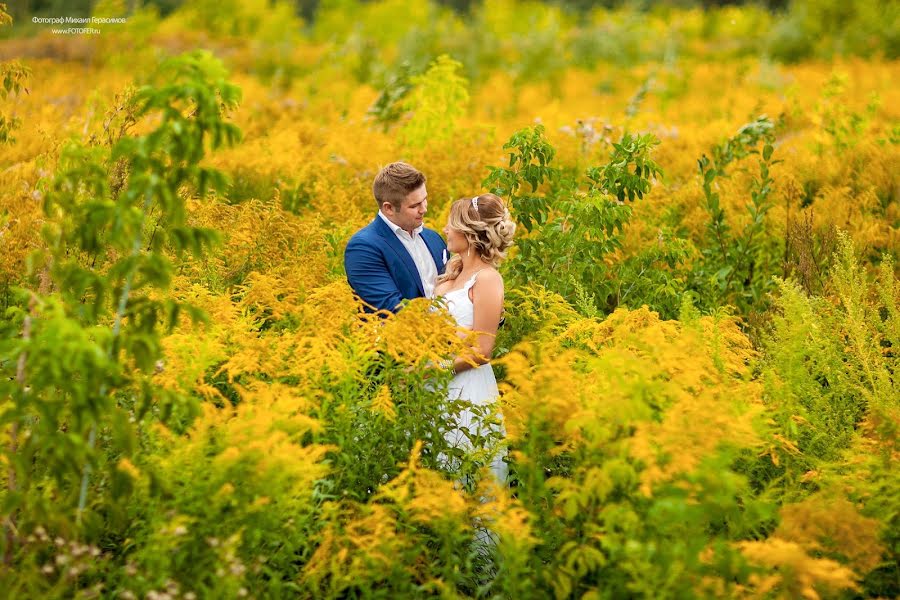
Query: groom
[(394, 257)]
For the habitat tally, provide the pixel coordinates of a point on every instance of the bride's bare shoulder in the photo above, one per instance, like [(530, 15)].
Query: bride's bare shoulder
[(490, 276)]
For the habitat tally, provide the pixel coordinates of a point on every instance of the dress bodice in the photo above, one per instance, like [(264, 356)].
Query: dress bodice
[(460, 306)]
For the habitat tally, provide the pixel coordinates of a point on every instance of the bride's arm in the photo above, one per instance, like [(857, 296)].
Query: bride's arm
[(487, 298)]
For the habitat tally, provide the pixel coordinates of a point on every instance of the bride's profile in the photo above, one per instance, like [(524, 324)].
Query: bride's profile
[(479, 231)]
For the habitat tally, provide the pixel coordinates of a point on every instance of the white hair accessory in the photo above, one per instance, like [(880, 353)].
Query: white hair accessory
[(475, 202)]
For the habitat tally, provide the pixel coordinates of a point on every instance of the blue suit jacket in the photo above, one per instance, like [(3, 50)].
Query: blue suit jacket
[(380, 269)]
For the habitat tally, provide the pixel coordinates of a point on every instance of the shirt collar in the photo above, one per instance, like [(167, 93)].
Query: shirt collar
[(396, 228)]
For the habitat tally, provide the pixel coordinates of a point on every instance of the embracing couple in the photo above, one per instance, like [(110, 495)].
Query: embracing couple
[(395, 258)]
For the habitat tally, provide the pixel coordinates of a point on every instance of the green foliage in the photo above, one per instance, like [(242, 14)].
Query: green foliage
[(437, 100), (830, 372), (231, 510), (388, 108), (844, 126), (616, 177), (618, 39), (829, 364), (573, 223), (737, 267), (372, 444), (533, 312), (274, 21), (259, 490), (823, 28), (656, 276), (115, 222), (601, 532), (15, 76)]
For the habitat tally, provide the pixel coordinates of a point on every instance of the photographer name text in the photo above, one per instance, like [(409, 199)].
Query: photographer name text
[(78, 20)]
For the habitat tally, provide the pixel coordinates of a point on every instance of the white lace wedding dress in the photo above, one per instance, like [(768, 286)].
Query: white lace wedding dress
[(478, 385)]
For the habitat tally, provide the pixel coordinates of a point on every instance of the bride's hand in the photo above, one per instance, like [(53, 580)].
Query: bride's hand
[(442, 365)]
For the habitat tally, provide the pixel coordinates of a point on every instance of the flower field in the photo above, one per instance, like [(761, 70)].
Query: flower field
[(699, 374)]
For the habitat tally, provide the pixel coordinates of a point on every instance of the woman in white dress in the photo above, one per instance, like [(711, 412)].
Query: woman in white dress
[(478, 232)]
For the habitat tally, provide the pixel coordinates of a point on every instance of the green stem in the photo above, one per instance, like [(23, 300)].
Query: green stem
[(117, 326), (14, 437)]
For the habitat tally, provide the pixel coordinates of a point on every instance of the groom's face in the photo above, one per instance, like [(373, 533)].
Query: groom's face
[(412, 212)]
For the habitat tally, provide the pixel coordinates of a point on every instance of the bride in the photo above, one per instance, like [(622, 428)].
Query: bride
[(478, 232)]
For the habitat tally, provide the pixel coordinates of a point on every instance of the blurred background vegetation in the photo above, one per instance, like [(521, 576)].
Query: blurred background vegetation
[(785, 30), (307, 8)]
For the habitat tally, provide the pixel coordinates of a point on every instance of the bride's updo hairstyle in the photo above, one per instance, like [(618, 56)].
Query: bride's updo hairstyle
[(486, 223)]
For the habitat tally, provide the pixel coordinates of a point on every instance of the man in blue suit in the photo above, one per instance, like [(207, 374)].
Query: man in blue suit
[(394, 257)]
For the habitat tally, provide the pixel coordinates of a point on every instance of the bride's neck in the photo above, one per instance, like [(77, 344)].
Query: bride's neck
[(472, 263)]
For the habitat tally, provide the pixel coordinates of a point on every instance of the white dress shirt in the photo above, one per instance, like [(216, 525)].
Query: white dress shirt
[(419, 252)]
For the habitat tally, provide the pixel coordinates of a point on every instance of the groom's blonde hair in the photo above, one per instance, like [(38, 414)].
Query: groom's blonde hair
[(394, 183)]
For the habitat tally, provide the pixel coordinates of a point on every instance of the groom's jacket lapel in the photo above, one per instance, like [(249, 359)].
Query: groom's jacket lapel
[(436, 247), (391, 238)]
